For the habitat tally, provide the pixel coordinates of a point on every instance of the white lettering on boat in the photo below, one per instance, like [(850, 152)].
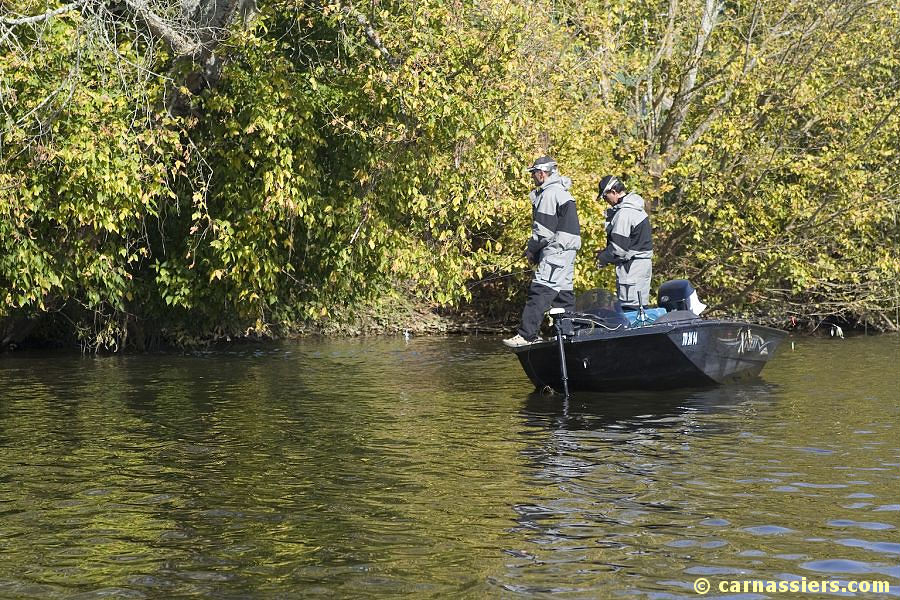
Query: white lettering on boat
[(688, 338)]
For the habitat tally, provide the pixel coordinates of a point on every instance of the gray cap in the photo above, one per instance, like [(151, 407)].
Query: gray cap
[(544, 163)]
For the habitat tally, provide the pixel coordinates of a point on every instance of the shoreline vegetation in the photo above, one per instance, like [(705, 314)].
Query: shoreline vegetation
[(388, 319), (185, 173)]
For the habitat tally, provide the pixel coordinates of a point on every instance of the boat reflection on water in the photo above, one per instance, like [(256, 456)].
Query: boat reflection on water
[(637, 432), (633, 410), (619, 477)]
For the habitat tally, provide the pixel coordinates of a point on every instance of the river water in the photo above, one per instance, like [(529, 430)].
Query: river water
[(428, 468)]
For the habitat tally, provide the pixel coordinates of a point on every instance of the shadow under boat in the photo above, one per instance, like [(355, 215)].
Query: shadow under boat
[(603, 349)]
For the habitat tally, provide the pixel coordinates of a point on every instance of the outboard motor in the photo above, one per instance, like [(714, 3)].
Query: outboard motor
[(679, 294)]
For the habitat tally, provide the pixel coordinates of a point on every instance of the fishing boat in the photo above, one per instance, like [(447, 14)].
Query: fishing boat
[(601, 347)]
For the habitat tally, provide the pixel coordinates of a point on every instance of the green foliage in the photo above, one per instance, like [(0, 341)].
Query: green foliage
[(83, 177), (346, 156), (788, 200)]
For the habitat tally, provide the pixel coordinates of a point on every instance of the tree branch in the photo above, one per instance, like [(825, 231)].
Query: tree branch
[(654, 105), (43, 16), (665, 44), (684, 97), (181, 44), (371, 33)]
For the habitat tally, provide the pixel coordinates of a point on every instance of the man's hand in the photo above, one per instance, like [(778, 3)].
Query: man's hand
[(533, 249)]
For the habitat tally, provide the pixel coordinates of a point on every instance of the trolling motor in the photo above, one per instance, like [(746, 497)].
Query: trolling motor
[(558, 324)]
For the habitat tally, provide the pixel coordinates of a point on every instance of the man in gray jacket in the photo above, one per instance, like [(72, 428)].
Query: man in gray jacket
[(629, 242), (555, 239)]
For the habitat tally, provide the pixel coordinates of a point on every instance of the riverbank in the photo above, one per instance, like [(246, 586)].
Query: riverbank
[(384, 317)]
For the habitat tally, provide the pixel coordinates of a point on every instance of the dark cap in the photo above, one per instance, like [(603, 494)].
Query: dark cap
[(544, 163), (609, 182)]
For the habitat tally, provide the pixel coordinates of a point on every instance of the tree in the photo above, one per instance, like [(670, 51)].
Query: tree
[(206, 169)]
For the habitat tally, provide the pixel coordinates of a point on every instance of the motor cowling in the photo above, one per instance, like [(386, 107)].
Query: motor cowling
[(679, 294)]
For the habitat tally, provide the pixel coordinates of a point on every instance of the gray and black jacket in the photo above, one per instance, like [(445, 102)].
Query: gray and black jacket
[(555, 233), (628, 232)]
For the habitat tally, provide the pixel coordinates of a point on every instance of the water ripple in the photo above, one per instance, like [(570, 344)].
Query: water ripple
[(378, 468)]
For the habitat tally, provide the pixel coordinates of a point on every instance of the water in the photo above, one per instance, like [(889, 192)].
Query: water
[(378, 468)]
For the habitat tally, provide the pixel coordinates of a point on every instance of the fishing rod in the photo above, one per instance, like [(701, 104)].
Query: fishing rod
[(503, 276)]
